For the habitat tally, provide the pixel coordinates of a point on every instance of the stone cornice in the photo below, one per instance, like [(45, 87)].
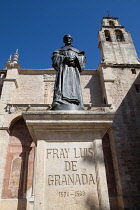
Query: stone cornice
[(113, 27), (3, 71), (13, 65), (108, 17), (65, 121), (51, 71), (117, 65), (11, 108)]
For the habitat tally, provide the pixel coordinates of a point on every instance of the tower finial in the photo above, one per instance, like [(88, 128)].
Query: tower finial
[(108, 13), (15, 60), (9, 59)]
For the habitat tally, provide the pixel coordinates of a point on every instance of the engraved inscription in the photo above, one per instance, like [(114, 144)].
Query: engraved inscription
[(64, 153), (70, 175), (70, 166), (73, 179), (55, 153)]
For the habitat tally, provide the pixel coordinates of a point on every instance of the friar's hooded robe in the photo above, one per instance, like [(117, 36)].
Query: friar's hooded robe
[(67, 89)]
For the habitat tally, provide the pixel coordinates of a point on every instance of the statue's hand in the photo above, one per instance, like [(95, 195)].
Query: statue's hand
[(72, 58), (66, 60), (70, 61)]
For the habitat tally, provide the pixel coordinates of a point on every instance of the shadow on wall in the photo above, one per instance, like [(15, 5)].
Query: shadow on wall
[(91, 203), (94, 87), (19, 164), (111, 183), (126, 133)]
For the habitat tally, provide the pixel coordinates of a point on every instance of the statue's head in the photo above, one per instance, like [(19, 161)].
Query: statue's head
[(67, 39)]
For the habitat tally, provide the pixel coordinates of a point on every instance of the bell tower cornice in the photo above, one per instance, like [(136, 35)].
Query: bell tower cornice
[(110, 21), (112, 26)]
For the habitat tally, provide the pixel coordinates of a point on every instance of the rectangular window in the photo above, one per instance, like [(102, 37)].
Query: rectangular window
[(137, 87), (133, 71)]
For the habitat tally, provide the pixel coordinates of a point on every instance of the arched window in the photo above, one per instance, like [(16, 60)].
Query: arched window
[(111, 23), (107, 35), (119, 35)]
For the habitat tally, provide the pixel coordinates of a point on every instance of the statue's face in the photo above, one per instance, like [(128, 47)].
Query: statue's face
[(67, 39)]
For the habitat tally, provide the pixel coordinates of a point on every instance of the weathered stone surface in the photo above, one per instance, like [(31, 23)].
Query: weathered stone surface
[(70, 162), (70, 176)]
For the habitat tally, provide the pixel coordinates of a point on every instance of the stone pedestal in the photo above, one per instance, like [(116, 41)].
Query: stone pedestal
[(70, 171)]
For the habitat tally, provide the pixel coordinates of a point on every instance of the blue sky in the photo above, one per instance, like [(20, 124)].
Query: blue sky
[(36, 28)]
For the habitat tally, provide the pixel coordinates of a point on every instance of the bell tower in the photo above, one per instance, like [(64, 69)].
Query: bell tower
[(120, 64), (120, 81), (115, 43)]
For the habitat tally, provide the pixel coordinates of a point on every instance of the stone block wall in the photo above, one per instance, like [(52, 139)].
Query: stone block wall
[(115, 85), (37, 88), (122, 91), (30, 89), (23, 87)]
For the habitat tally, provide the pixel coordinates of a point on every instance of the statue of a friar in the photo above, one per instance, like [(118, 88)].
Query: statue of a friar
[(68, 62)]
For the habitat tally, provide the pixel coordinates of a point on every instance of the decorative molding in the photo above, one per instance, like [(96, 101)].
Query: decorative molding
[(11, 80), (5, 128), (49, 77), (12, 108), (37, 71), (119, 65), (51, 71), (113, 18), (49, 80), (113, 27), (13, 65)]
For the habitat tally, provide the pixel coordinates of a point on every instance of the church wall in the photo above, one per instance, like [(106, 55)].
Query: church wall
[(91, 88), (30, 89), (117, 83), (120, 85), (38, 88)]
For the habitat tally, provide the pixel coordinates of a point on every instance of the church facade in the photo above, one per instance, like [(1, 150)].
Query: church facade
[(112, 90)]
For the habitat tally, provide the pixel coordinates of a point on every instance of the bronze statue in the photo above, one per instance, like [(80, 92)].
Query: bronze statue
[(68, 62)]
